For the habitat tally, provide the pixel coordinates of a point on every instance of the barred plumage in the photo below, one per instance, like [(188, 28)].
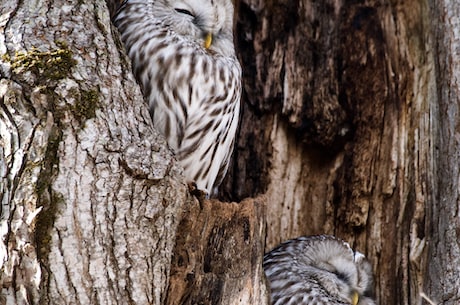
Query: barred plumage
[(183, 56), (318, 270)]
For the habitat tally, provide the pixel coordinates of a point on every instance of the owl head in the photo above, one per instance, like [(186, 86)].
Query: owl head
[(208, 24), (322, 268), (342, 272)]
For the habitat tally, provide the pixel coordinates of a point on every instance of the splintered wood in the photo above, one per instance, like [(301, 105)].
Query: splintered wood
[(218, 254)]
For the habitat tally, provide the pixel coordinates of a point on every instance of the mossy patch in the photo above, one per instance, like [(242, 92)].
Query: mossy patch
[(50, 65), (48, 199), (86, 108)]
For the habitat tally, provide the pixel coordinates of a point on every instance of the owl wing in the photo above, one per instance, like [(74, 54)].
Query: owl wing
[(207, 141)]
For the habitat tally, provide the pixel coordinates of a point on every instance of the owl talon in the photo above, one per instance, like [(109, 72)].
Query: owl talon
[(192, 187), (199, 194)]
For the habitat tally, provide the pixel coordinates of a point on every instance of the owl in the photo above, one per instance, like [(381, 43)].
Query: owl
[(183, 57), (318, 270)]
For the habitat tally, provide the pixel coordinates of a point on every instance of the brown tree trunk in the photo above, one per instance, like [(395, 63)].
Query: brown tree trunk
[(340, 129), (217, 259)]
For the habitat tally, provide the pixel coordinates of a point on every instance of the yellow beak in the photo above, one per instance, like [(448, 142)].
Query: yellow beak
[(354, 298), (207, 41)]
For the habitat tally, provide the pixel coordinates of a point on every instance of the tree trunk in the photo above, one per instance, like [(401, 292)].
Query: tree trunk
[(340, 131), (91, 197), (443, 271), (217, 259)]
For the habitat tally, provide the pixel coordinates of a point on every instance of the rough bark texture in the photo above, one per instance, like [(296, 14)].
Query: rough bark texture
[(91, 196), (443, 273), (217, 259), (339, 128)]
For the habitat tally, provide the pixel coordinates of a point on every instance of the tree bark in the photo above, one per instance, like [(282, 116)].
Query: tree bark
[(91, 196), (340, 129), (443, 272), (218, 255)]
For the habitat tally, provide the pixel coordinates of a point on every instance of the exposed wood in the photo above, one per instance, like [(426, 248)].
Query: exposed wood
[(218, 255), (340, 120)]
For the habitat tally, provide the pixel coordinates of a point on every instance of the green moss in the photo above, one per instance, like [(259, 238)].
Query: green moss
[(48, 199), (86, 108), (52, 65), (6, 57)]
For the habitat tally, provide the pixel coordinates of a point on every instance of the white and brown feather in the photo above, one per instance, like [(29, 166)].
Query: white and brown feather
[(318, 270), (193, 92)]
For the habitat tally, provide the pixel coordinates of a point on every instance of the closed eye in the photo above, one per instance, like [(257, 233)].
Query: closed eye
[(184, 11), (342, 276)]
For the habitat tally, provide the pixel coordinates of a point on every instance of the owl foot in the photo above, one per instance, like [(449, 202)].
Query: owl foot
[(199, 194)]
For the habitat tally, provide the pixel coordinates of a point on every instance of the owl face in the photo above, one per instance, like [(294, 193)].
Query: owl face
[(206, 23), (321, 268), (340, 271)]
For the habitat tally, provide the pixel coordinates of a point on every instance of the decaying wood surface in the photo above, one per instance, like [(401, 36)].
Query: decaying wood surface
[(218, 255), (340, 128)]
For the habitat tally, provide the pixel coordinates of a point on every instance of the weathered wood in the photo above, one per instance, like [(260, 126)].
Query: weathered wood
[(443, 272), (218, 255), (340, 123)]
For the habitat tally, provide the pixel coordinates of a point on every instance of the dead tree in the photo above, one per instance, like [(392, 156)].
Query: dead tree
[(349, 128)]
